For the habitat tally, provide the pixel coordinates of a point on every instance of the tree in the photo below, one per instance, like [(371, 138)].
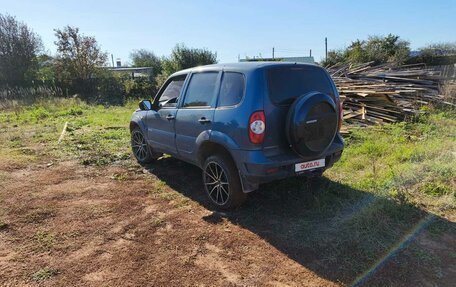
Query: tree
[(19, 46), (334, 57), (356, 53), (78, 56), (436, 54), (387, 49), (439, 49), (184, 58), (378, 49), (45, 70), (145, 58)]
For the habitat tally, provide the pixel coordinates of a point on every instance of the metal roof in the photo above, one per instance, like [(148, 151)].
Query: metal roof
[(241, 66)]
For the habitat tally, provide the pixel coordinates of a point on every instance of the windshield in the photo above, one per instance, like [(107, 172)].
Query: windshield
[(287, 83)]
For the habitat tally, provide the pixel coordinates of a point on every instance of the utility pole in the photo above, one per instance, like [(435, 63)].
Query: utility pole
[(273, 52), (112, 60), (310, 53), (326, 49)]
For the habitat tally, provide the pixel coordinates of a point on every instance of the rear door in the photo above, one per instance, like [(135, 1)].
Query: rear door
[(160, 122), (285, 85), (196, 112)]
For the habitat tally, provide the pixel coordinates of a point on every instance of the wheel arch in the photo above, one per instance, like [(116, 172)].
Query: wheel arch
[(227, 147), (133, 125), (136, 124), (208, 148)]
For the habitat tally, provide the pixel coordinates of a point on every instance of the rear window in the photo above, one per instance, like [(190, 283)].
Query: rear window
[(287, 83), (231, 90)]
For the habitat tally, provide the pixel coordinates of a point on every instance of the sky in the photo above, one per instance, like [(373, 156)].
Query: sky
[(235, 28)]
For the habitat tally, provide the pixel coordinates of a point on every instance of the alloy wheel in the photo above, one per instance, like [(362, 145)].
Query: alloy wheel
[(216, 183), (139, 145)]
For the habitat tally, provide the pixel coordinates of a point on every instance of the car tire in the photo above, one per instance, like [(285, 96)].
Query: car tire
[(141, 149), (222, 183)]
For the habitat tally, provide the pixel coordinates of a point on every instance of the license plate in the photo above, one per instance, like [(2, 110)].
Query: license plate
[(310, 165)]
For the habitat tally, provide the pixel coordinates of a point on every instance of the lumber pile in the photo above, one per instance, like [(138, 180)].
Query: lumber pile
[(385, 94)]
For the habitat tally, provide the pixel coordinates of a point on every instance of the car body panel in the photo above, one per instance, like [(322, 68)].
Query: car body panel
[(160, 129), (188, 128)]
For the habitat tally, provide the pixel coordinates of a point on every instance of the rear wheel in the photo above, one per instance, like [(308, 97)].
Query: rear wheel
[(222, 183), (141, 150)]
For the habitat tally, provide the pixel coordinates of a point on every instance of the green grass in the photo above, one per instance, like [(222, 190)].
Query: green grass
[(407, 161), (96, 135)]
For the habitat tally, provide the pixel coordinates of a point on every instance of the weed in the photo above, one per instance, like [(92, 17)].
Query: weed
[(182, 202), (435, 189), (44, 274), (73, 111), (123, 176), (45, 240), (39, 113), (157, 222), (159, 187), (3, 225)]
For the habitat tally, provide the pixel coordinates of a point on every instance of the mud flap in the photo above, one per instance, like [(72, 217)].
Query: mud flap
[(247, 186)]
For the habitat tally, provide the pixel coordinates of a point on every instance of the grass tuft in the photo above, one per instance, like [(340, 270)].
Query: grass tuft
[(45, 240), (435, 189), (3, 225), (44, 274)]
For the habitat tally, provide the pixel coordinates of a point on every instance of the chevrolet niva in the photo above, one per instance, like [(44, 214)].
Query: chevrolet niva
[(243, 124)]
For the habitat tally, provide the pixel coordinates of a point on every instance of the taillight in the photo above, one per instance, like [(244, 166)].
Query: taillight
[(341, 114), (257, 126)]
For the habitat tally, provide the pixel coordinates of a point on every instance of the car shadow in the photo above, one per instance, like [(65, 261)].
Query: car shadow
[(330, 228)]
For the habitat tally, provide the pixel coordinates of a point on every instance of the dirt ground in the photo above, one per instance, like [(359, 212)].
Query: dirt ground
[(73, 225)]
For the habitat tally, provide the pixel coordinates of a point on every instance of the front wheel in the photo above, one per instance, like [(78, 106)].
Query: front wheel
[(141, 150), (222, 183)]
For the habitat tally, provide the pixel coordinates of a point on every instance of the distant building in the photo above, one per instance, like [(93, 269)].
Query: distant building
[(414, 53), (134, 72), (309, 60)]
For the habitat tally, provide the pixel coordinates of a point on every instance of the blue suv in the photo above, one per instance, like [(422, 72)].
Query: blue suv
[(243, 124)]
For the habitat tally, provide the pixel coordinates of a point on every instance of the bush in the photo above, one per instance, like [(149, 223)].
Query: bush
[(105, 88), (378, 49), (139, 88)]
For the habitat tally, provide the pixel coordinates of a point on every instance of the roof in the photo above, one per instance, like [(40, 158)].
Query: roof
[(309, 59), (130, 68), (240, 67)]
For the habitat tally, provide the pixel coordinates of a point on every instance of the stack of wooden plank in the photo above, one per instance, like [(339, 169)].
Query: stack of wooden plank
[(385, 93)]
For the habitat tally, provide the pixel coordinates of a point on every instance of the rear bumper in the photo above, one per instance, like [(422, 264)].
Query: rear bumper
[(256, 168)]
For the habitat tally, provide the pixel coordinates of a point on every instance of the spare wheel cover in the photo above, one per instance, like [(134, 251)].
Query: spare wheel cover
[(311, 124)]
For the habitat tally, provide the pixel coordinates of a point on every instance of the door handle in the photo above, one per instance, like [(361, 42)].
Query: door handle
[(170, 117), (203, 120)]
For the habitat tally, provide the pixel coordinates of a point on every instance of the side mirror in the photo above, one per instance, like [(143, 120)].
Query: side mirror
[(145, 105)]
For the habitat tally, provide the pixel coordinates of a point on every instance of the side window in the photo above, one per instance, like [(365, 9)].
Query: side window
[(231, 90), (201, 90), (170, 95)]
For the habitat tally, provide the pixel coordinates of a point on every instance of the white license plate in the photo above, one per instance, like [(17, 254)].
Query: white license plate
[(310, 165)]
